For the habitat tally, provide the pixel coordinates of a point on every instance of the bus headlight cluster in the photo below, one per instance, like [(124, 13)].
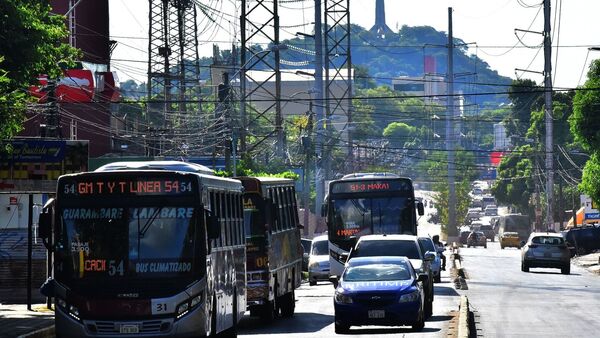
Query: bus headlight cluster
[(258, 276), (72, 310), (187, 306)]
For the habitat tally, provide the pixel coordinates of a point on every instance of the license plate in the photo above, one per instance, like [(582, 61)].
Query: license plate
[(128, 328), (376, 313)]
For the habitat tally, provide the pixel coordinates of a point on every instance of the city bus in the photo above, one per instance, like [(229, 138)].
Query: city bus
[(143, 250), (514, 223), (367, 203), (273, 246)]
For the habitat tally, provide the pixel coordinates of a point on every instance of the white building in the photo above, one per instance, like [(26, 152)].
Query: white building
[(501, 140)]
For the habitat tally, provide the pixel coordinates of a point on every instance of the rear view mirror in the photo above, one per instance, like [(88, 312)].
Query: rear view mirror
[(420, 209), (522, 244), (45, 225)]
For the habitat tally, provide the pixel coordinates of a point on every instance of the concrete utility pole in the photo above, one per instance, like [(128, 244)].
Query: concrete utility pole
[(548, 112), (319, 189), (450, 133)]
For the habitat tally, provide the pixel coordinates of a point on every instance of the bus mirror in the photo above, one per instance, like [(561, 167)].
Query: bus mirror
[(420, 208), (45, 225), (213, 227)]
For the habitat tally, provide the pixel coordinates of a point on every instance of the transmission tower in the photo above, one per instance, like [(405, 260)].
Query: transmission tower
[(173, 72), (260, 26), (338, 72)]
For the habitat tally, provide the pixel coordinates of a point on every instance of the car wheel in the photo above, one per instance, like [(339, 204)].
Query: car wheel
[(492, 239), (524, 267), (428, 309), (312, 283), (420, 324), (566, 270), (485, 246), (501, 247), (288, 304)]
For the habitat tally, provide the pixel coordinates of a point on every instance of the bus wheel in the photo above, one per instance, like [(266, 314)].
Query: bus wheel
[(267, 312), (288, 304), (213, 318)]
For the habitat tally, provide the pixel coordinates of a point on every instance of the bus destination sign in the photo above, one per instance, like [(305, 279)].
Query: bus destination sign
[(371, 186), (129, 186)]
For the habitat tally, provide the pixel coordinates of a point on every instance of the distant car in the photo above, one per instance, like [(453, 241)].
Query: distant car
[(400, 245), (306, 243), (476, 225), (490, 210), (476, 238), (510, 240), (488, 231), (436, 264), (546, 250), (379, 290), (318, 262)]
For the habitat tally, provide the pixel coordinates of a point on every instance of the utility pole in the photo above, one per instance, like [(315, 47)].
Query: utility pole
[(450, 134), (548, 113), (319, 188)]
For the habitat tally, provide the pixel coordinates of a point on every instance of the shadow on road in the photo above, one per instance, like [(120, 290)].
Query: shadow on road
[(301, 322), (439, 318), (378, 331), (444, 290), (552, 273)]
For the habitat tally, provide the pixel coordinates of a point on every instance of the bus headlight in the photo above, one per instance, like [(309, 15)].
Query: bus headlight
[(185, 307)]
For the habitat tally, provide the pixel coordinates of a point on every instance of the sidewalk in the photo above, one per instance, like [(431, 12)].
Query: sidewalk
[(16, 320), (591, 262)]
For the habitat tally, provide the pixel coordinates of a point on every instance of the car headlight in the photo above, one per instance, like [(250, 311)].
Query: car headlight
[(409, 297), (342, 298)]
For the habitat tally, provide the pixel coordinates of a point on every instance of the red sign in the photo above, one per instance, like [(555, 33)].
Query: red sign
[(496, 158), (77, 85), (13, 200), (6, 185)]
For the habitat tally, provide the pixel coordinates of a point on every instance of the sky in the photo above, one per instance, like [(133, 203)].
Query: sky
[(489, 24)]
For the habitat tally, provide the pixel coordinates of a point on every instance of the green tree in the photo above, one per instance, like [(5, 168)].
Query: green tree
[(31, 43), (525, 96), (399, 133), (585, 126), (515, 183)]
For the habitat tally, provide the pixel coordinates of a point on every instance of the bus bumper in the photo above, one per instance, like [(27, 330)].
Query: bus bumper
[(190, 325)]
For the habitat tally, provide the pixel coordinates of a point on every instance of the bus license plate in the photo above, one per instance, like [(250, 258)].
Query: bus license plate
[(129, 328), (376, 313)]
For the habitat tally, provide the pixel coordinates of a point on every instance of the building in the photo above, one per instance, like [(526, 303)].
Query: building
[(501, 140)]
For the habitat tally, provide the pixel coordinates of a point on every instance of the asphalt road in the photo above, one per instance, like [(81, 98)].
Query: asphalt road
[(314, 316), (542, 303)]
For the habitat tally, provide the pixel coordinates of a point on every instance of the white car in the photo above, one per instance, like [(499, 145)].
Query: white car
[(318, 261)]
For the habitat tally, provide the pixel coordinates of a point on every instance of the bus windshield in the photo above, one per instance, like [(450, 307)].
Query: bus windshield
[(363, 216), (128, 242)]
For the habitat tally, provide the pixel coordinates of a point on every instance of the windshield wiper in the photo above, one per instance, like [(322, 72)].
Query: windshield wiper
[(149, 222)]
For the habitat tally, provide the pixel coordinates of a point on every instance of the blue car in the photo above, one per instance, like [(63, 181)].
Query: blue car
[(382, 291)]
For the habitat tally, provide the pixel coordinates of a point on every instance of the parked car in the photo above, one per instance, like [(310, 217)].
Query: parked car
[(488, 231), (510, 240), (546, 250), (306, 243), (379, 290), (583, 240), (318, 262), (476, 238), (400, 245), (436, 264)]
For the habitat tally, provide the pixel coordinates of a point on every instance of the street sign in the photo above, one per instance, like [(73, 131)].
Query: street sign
[(590, 211)]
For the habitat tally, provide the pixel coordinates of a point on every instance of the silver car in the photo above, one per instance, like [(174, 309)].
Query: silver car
[(318, 262), (545, 250)]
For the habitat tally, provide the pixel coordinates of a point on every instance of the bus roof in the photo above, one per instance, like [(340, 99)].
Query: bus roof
[(369, 175), (157, 165)]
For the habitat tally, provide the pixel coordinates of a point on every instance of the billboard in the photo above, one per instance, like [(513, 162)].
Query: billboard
[(40, 159)]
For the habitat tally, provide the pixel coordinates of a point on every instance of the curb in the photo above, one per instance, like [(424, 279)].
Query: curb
[(47, 332), (463, 318)]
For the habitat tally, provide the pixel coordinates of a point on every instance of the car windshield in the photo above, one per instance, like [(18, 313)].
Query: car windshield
[(406, 248), (377, 272), (427, 244), (549, 240), (320, 248)]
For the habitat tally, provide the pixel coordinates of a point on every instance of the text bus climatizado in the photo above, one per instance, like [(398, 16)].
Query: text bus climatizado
[(141, 249), (364, 204), (274, 251)]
